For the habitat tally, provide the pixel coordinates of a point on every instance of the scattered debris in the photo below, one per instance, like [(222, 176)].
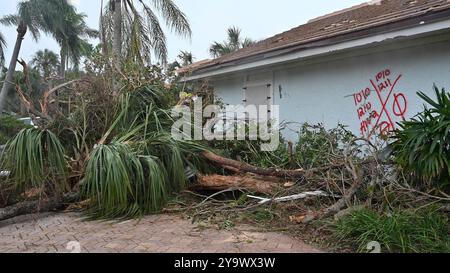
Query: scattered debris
[(290, 198)]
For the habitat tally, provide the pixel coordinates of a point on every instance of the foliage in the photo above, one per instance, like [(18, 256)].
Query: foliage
[(404, 231), (186, 58), (33, 86), (233, 43), (121, 183), (422, 145), (30, 14), (46, 62), (137, 164), (34, 158), (316, 143), (249, 151), (2, 51), (9, 127), (141, 30), (72, 38)]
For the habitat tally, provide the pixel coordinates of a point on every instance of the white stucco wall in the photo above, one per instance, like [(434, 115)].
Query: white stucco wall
[(322, 92)]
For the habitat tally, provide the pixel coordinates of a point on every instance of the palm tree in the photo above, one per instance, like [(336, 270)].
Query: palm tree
[(186, 58), (72, 39), (46, 62), (2, 52), (135, 34), (233, 43), (35, 16)]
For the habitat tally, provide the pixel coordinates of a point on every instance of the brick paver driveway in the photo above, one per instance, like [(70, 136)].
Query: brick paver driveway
[(159, 233)]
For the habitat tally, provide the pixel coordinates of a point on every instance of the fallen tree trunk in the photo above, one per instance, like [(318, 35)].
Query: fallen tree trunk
[(256, 184), (38, 206), (247, 168)]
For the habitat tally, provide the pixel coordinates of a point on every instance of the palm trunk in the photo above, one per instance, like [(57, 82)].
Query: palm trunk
[(117, 40), (7, 85), (62, 72)]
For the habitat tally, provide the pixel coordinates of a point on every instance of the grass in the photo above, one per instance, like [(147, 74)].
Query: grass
[(425, 231)]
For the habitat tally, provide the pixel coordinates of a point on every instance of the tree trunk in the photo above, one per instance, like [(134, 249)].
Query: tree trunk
[(257, 184), (62, 72), (247, 168), (117, 39), (39, 206), (7, 85)]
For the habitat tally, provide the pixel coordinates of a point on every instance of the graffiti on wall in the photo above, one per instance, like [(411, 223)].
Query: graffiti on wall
[(380, 105)]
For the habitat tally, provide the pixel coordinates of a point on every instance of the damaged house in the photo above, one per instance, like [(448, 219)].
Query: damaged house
[(361, 67)]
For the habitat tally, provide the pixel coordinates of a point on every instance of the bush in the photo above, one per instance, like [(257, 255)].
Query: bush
[(400, 231), (422, 145), (9, 127), (316, 144)]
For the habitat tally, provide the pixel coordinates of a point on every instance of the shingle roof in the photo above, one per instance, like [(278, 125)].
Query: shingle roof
[(365, 16)]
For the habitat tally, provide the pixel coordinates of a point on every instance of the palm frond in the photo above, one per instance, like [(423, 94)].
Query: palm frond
[(141, 28), (10, 20), (173, 17), (158, 40), (142, 165), (233, 43), (2, 52), (34, 158), (234, 37)]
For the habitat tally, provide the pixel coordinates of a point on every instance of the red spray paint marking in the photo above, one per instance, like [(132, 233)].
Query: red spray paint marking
[(366, 112), (384, 103), (400, 109)]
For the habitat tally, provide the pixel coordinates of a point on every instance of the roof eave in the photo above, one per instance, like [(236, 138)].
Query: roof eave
[(411, 27)]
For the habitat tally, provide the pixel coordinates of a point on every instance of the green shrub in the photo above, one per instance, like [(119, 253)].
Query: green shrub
[(400, 231), (9, 127), (422, 145), (317, 143)]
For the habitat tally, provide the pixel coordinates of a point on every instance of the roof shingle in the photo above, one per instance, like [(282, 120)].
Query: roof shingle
[(360, 17)]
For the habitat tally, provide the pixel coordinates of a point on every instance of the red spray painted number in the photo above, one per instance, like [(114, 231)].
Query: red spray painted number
[(393, 104)]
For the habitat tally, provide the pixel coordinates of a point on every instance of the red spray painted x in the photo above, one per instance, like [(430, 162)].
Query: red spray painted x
[(384, 104)]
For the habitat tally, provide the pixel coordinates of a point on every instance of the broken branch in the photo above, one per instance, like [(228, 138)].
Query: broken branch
[(247, 168)]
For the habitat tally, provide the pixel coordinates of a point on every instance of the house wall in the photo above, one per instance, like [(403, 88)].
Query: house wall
[(326, 90)]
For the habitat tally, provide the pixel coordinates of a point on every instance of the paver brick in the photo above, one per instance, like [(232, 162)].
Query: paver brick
[(50, 233)]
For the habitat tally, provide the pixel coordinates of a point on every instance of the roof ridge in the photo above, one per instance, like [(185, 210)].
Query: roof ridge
[(370, 3)]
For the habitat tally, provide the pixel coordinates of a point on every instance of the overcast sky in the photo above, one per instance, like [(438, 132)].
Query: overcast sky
[(209, 20)]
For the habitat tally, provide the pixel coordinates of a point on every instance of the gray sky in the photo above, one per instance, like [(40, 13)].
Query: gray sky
[(209, 20)]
